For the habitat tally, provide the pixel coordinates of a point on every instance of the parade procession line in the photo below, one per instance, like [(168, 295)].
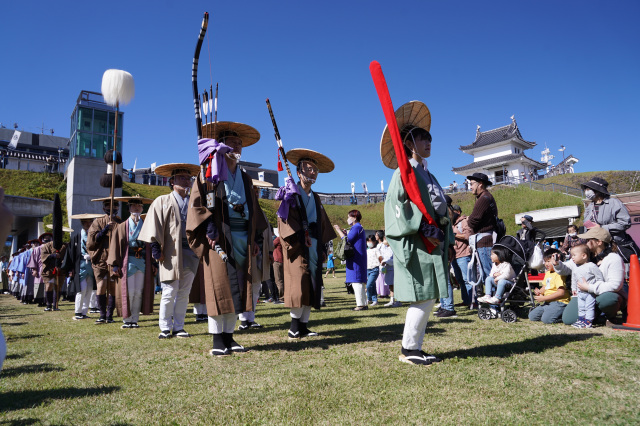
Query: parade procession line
[(61, 371)]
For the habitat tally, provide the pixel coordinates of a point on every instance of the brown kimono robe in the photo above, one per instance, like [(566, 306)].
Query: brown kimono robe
[(224, 294), (298, 288), (119, 256), (99, 249), (49, 264)]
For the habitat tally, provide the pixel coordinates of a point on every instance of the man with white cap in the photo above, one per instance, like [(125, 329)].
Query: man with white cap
[(224, 221), (165, 229), (303, 250)]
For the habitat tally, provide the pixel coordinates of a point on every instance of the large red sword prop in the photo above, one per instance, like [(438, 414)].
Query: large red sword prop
[(407, 174)]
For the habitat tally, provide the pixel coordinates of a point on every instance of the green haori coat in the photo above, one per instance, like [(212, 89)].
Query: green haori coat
[(418, 275)]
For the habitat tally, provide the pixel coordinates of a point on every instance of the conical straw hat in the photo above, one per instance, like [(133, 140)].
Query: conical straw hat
[(325, 165), (411, 114)]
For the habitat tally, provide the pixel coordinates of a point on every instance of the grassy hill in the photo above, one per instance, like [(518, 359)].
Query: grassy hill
[(620, 181), (510, 200)]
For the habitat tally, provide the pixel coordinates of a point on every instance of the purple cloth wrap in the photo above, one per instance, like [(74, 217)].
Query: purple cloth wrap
[(219, 167), (431, 231), (156, 251), (287, 194), (212, 230)]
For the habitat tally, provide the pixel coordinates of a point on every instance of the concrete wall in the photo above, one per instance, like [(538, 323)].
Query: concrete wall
[(83, 185)]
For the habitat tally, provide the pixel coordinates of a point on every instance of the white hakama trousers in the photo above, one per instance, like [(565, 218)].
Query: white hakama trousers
[(251, 316), (135, 285), (415, 324), (174, 301), (303, 313), (83, 297), (225, 323), (200, 308)]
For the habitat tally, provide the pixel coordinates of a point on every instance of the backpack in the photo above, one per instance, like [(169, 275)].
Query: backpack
[(501, 229), (344, 250)]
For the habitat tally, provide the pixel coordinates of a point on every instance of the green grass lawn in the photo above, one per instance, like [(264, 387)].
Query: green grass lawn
[(60, 371)]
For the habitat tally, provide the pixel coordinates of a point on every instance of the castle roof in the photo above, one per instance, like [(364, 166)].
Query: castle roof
[(498, 161), (498, 135)]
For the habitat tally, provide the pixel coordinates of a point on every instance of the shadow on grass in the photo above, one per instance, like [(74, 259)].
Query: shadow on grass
[(18, 355), (533, 345), (16, 323), (19, 400), (26, 336), (381, 334), (21, 422), (28, 369)]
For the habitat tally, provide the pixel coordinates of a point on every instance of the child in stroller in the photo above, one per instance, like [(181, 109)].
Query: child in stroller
[(517, 294), (502, 274)]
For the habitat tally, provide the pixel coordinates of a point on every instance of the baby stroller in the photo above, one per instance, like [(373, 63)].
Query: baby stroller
[(519, 296)]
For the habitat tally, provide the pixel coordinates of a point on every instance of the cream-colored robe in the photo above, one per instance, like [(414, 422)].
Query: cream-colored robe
[(163, 225)]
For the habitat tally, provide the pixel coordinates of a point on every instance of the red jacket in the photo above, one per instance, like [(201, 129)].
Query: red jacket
[(277, 250)]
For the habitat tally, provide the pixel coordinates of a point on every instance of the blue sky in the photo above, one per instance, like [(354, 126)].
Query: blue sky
[(568, 70)]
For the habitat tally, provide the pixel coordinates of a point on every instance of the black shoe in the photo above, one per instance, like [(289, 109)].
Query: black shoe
[(126, 325), (101, 320), (244, 325), (414, 357), (255, 325), (438, 311), (164, 334), (94, 311), (181, 333), (430, 357), (110, 320), (360, 308), (219, 348), (446, 314), (231, 344), (48, 309), (305, 332)]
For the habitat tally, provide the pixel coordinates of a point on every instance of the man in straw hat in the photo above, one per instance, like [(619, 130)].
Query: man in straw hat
[(98, 239), (303, 255), (131, 262), (421, 275), (260, 267), (78, 262), (165, 229), (231, 224), (48, 256)]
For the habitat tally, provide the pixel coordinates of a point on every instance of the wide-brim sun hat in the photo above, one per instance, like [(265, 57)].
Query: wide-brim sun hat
[(246, 133), (105, 199), (597, 184), (325, 165), (136, 198), (64, 228), (261, 183), (87, 216), (172, 169), (412, 114)]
